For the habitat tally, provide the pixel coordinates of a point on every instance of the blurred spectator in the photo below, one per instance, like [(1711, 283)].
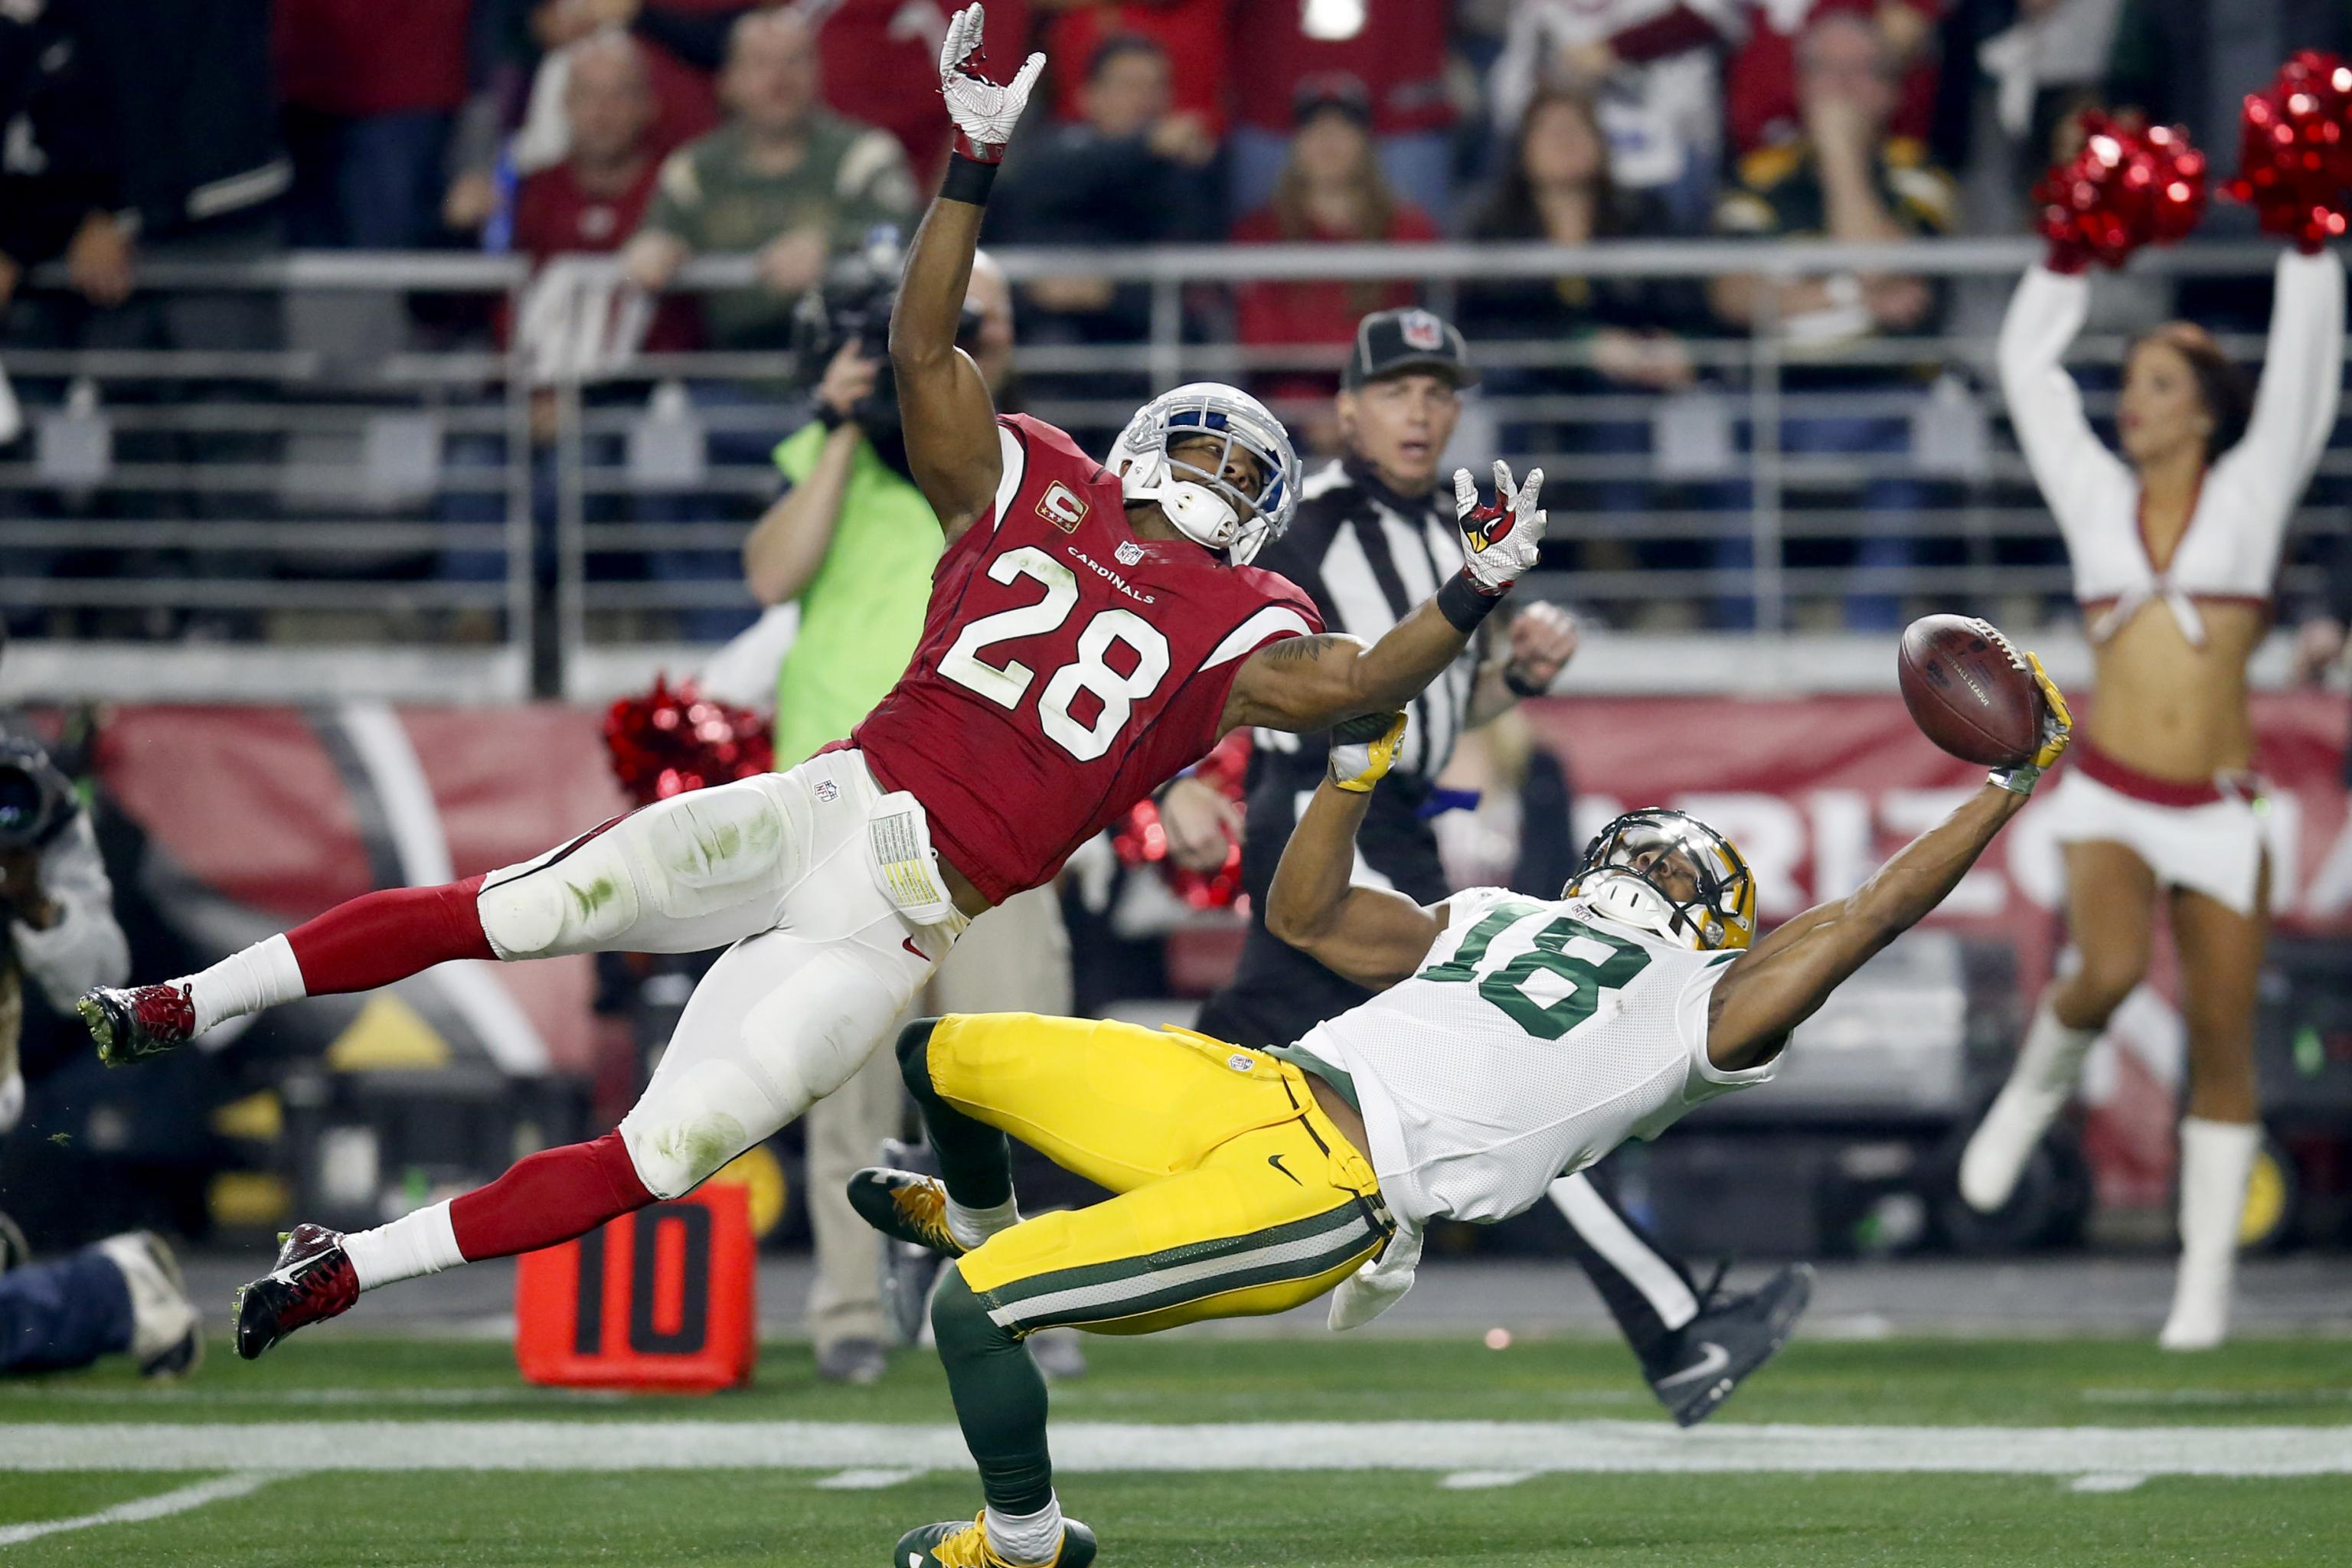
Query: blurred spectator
[(1131, 173), (371, 93), (2322, 646), (1763, 101), (1557, 188), (784, 180), (1196, 35), (595, 199), (1398, 57), (685, 44), (879, 57), (1851, 178), (57, 172), (1330, 191), (1649, 68), (123, 1294)]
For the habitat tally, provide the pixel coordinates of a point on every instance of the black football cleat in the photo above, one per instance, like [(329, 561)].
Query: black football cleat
[(314, 1280), (905, 1206), (1729, 1339), (137, 1021)]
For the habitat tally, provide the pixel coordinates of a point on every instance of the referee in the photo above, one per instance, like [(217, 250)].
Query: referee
[(1372, 537)]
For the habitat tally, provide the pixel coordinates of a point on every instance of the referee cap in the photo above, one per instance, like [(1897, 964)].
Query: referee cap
[(1391, 342)]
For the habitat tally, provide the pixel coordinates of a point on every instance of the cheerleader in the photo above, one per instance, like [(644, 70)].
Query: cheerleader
[(2174, 547)]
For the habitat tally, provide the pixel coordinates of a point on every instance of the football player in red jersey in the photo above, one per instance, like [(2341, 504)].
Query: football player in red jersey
[(1092, 630)]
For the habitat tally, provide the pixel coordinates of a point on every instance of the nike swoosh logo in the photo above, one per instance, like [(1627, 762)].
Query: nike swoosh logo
[(1713, 1358), (908, 944), (1275, 1160)]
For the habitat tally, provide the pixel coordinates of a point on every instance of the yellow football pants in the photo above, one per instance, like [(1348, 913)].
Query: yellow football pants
[(1237, 1196)]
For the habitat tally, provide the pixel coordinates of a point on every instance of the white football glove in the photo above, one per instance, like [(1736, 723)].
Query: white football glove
[(1500, 540), (984, 112)]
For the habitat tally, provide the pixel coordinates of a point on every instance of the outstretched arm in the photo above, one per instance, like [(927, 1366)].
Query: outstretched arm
[(1784, 979), (1368, 935), (951, 420), (1313, 683)]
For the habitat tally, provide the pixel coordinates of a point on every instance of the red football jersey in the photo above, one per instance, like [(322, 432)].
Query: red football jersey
[(1066, 668)]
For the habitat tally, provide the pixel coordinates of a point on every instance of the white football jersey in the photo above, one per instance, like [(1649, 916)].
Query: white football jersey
[(1535, 1038)]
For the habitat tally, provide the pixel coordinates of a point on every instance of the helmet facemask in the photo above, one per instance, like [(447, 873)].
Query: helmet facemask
[(1196, 497), (1668, 873)]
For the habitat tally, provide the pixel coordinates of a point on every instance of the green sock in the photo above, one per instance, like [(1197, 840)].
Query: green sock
[(1000, 1399), (975, 1160)]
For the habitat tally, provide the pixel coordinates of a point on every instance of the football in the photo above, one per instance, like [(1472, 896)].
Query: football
[(1969, 691)]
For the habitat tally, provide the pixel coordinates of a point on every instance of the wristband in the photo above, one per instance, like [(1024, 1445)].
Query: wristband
[(968, 180), (1518, 685), (1464, 606), (829, 417)]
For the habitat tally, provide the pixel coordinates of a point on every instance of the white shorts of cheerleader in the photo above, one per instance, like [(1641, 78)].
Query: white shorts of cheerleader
[(824, 891), (2214, 848)]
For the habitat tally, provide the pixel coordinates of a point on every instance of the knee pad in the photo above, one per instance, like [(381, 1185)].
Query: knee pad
[(569, 900), (699, 850), (813, 1032), (683, 1131)]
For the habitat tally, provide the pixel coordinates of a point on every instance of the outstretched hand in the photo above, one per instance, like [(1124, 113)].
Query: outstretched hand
[(984, 112), (1501, 539)]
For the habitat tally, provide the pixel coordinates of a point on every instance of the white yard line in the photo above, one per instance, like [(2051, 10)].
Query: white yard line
[(162, 1505), (1447, 1447)]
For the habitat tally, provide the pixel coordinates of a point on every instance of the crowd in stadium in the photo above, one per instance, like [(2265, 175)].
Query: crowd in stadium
[(665, 129)]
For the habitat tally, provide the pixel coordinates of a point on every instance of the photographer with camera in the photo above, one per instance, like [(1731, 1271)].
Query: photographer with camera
[(853, 542), (59, 906)]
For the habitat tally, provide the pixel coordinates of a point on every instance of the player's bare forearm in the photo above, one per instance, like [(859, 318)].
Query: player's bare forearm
[(781, 555), (950, 418), (1313, 683), (1785, 978), (1368, 935)]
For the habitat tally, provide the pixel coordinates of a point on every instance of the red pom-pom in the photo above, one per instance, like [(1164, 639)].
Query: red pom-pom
[(1141, 838), (2294, 159), (2125, 189), (669, 742)]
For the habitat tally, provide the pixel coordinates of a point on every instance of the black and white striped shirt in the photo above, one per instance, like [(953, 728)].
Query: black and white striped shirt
[(1367, 556)]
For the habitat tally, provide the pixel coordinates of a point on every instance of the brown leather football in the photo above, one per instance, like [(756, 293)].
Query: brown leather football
[(1969, 691)]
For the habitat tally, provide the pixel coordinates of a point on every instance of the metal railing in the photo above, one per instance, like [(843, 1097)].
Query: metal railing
[(418, 521)]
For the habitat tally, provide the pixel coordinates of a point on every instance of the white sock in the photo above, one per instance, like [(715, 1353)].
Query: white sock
[(972, 1227), (263, 975), (1027, 1537), (415, 1244), (2216, 1158), (2051, 1058)]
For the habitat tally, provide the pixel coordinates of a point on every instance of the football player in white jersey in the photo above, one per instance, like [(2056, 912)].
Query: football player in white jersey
[(1513, 1040)]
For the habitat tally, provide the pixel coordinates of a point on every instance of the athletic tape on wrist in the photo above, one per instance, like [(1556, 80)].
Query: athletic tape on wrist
[(968, 180), (1462, 605), (1518, 685)]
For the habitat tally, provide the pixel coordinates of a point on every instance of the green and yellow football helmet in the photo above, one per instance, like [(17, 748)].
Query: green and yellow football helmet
[(1666, 872)]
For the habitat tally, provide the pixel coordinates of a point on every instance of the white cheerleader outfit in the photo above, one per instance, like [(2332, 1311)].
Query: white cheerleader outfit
[(2203, 837)]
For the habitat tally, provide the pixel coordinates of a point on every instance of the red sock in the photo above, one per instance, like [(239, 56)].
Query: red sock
[(547, 1197), (378, 937)]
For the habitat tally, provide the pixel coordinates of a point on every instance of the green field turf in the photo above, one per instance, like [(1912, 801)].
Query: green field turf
[(337, 1406)]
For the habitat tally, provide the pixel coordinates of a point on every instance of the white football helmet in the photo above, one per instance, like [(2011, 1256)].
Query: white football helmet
[(1199, 501)]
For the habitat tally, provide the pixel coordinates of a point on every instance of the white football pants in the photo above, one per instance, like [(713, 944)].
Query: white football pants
[(821, 967)]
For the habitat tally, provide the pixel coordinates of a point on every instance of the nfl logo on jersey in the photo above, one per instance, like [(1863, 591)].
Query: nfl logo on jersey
[(1129, 552)]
